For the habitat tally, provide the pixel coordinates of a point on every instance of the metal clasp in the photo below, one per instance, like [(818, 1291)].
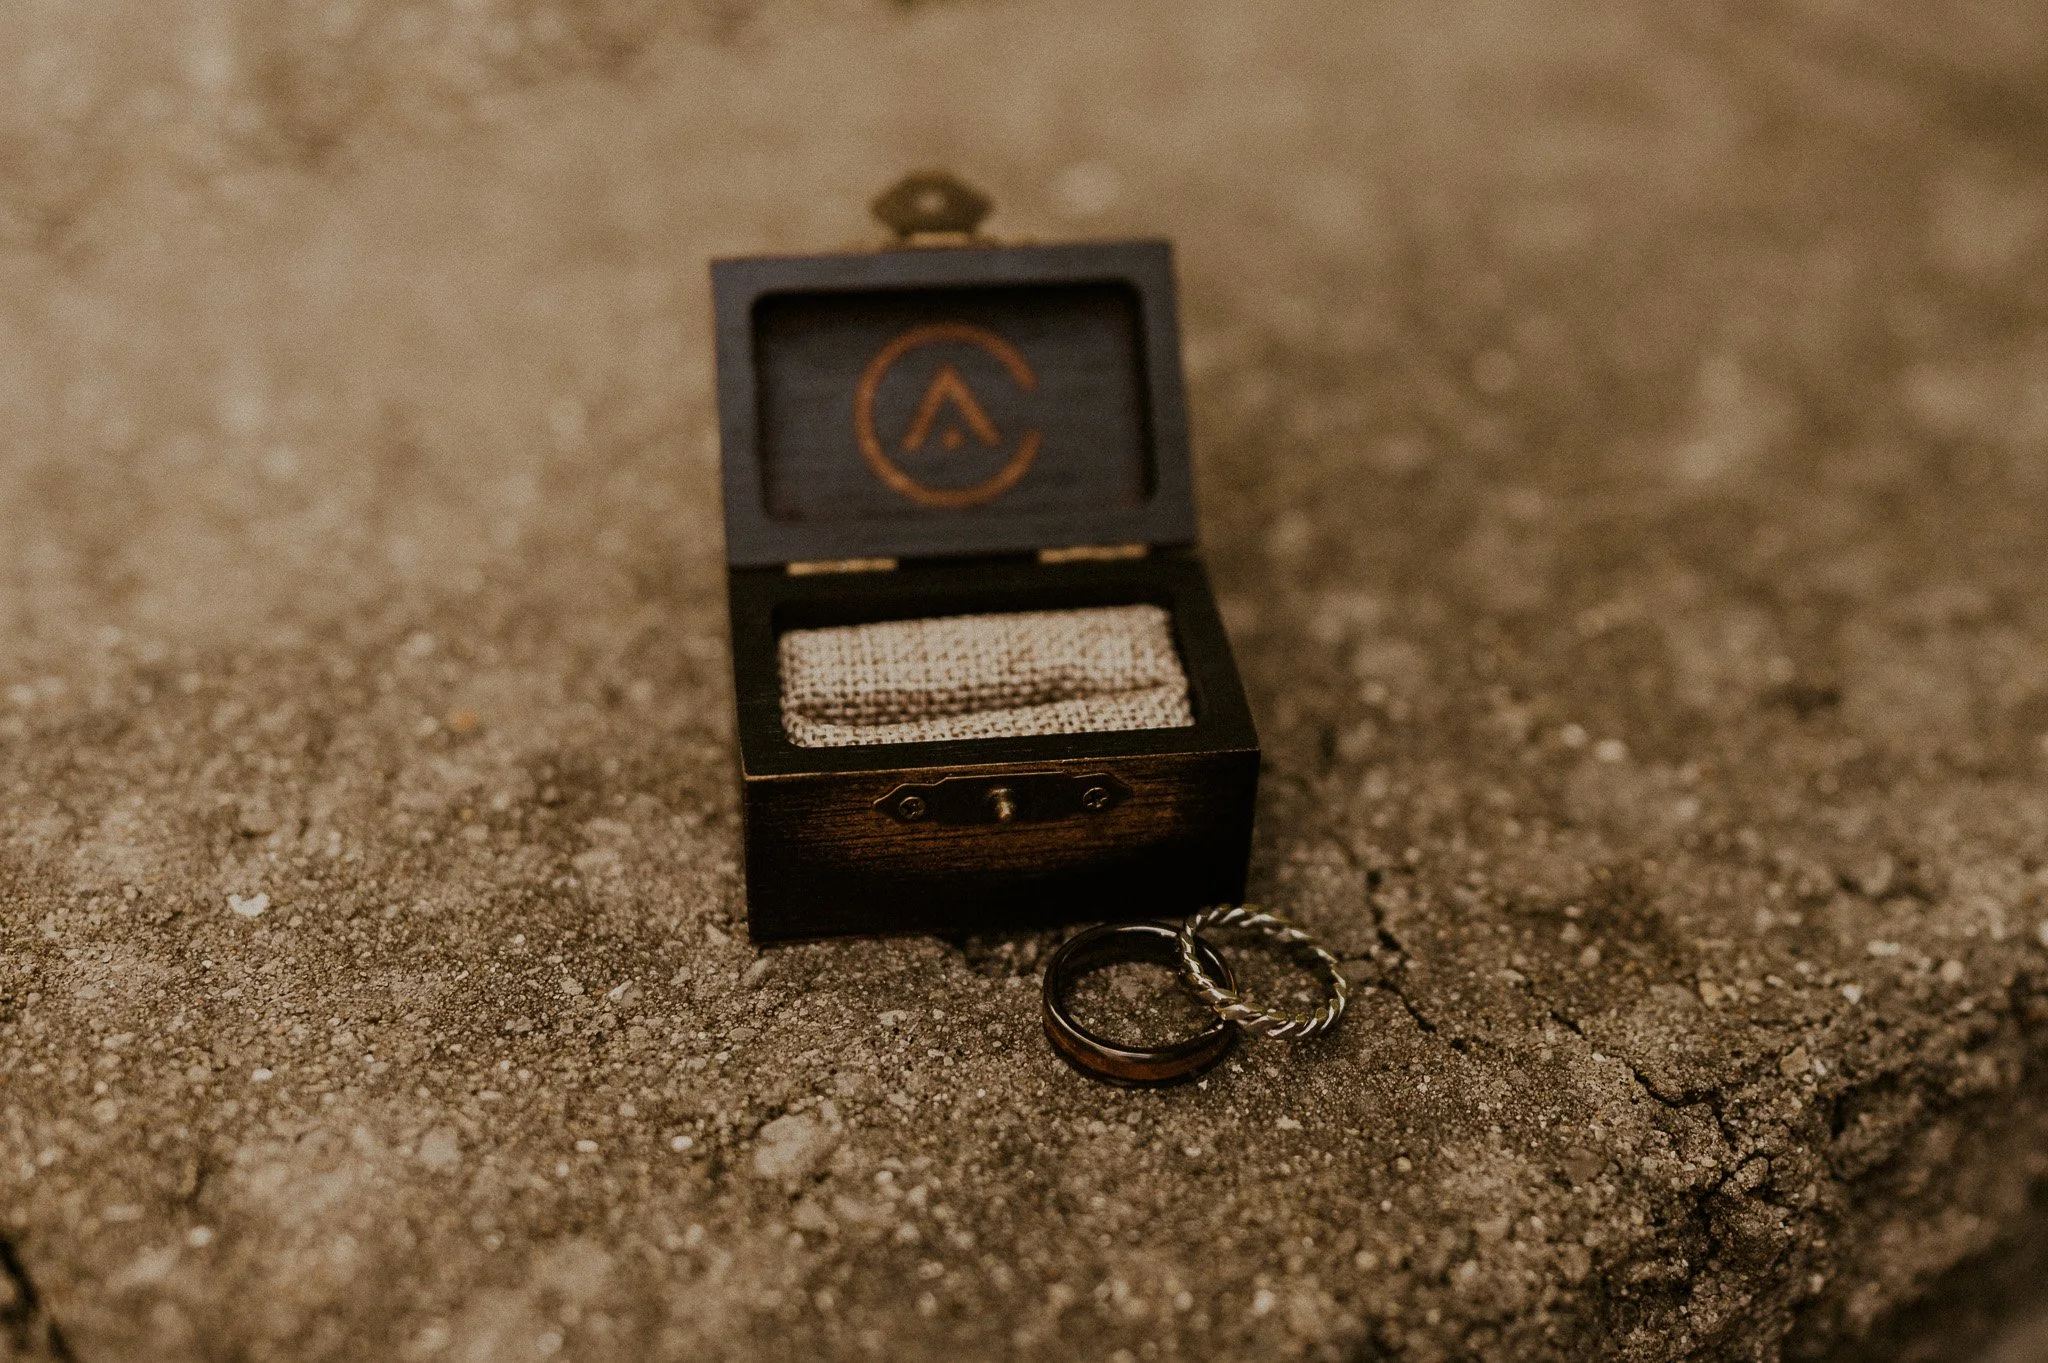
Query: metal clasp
[(933, 208), (1013, 797)]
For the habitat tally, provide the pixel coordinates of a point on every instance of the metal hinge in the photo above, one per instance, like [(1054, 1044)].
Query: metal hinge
[(807, 567), (1093, 553)]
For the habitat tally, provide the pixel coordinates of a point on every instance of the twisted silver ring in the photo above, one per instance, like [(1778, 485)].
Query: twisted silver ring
[(1230, 1004)]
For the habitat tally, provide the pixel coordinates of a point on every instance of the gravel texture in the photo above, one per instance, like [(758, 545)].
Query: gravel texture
[(1623, 446)]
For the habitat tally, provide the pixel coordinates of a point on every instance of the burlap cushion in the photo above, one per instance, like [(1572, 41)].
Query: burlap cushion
[(983, 676)]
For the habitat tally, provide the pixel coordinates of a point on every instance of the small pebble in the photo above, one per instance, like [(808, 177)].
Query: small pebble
[(252, 907)]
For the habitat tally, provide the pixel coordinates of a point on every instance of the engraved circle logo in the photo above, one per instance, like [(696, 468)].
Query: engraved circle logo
[(950, 410)]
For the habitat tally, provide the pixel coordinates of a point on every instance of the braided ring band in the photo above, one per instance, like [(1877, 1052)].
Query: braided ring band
[(1223, 996)]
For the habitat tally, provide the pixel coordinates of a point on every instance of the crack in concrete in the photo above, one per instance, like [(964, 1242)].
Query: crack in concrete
[(1386, 940), (1699, 1204), (1710, 1097), (1387, 982)]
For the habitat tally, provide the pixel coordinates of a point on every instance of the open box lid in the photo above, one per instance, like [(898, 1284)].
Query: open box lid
[(933, 401)]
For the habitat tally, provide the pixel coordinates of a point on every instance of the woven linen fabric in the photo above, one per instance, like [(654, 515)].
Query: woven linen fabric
[(983, 676)]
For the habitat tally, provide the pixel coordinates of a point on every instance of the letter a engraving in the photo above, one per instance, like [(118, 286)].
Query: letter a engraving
[(948, 386), (946, 389)]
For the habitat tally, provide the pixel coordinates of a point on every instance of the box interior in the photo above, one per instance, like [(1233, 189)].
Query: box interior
[(950, 403), (767, 604), (1095, 669), (904, 405)]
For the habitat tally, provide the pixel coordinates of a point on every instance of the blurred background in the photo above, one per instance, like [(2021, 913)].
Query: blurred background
[(1709, 337), (308, 301)]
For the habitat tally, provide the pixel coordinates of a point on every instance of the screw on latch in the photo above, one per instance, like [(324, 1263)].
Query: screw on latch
[(1095, 799), (910, 807), (1004, 801)]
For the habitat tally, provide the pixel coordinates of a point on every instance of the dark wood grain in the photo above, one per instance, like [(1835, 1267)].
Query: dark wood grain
[(821, 858), (1096, 325), (1083, 343), (956, 410)]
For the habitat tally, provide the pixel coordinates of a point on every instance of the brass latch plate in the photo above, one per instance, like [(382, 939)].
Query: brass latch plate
[(1013, 797)]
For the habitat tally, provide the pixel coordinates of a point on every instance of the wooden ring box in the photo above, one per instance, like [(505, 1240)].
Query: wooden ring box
[(843, 507)]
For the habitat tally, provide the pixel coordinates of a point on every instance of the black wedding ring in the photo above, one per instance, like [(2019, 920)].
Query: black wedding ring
[(1100, 1058)]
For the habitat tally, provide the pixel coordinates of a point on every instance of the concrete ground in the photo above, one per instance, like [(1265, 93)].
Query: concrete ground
[(1623, 451)]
